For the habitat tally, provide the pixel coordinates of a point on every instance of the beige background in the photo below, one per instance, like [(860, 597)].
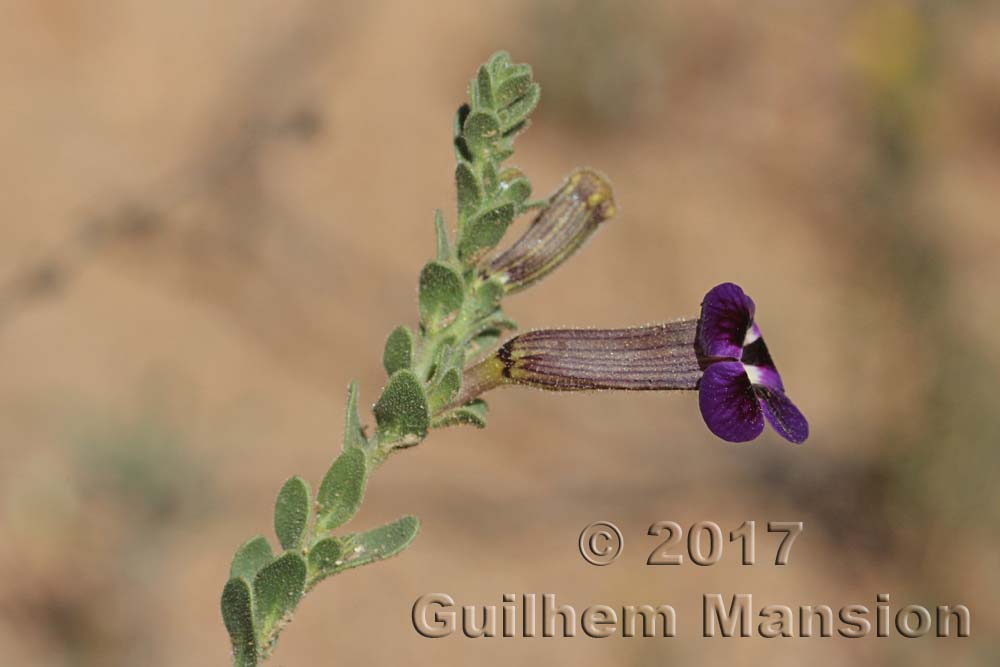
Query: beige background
[(212, 214)]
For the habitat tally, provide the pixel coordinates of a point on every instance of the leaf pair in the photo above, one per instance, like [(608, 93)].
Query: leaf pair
[(259, 595), (333, 555)]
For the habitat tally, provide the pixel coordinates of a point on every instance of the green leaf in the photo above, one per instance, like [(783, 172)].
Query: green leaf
[(470, 194), (498, 63), (441, 234), (481, 129), (473, 412), (514, 71), (237, 614), (277, 588), (484, 231), (324, 559), (341, 491), (484, 88), (354, 435), (444, 390), (401, 411), (501, 154), (441, 295), (446, 354), (487, 296), (252, 555), (516, 191), (379, 543), (291, 513), (512, 90), (490, 179), (326, 553), (398, 352), (519, 111)]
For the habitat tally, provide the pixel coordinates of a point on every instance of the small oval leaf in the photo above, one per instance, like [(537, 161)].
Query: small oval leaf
[(252, 555), (324, 559), (515, 115), (470, 193), (441, 295), (276, 590), (512, 90), (481, 129), (237, 614), (379, 543), (401, 411), (398, 352), (341, 491), (484, 231), (291, 512)]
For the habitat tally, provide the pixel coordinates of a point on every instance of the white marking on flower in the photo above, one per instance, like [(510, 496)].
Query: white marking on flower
[(755, 374)]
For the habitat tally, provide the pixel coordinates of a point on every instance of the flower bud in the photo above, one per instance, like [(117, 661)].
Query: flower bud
[(581, 203)]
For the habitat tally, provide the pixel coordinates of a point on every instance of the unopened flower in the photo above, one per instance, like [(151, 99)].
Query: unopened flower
[(573, 213), (721, 354)]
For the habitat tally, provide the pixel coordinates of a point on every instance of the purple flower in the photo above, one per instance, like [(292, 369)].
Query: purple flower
[(740, 386), (721, 355)]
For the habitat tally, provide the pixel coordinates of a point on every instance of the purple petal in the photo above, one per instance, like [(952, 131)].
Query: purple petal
[(783, 415), (726, 314), (728, 403)]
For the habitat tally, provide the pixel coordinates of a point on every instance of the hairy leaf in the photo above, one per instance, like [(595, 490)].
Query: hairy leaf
[(485, 231), (517, 113), (399, 348), (252, 555), (354, 435), (379, 543), (441, 295), (445, 390), (291, 512), (484, 88), (473, 413), (341, 491), (237, 614), (512, 90), (324, 558), (516, 191), (498, 63), (470, 194), (276, 590), (401, 411), (481, 129)]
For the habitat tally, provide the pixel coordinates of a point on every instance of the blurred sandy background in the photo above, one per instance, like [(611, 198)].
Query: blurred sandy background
[(212, 214)]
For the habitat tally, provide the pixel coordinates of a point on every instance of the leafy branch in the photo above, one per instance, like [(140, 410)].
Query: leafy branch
[(460, 318)]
